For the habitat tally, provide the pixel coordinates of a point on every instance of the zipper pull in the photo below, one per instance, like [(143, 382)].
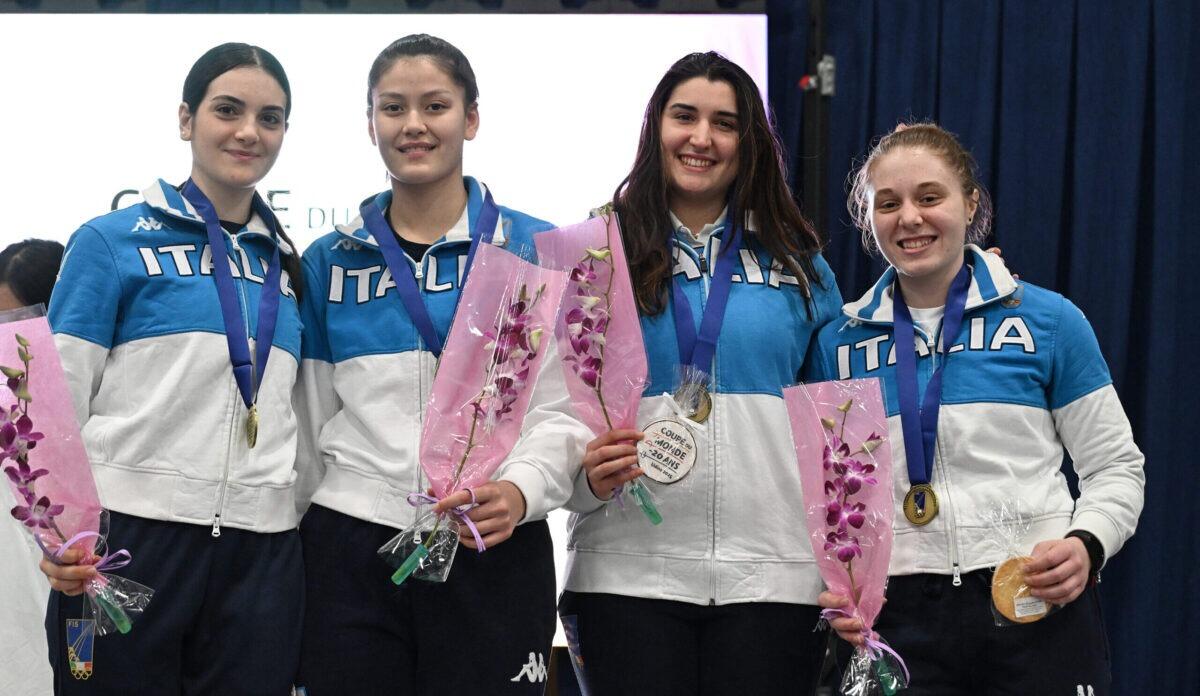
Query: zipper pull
[(216, 530), (704, 264), (957, 577), (419, 271)]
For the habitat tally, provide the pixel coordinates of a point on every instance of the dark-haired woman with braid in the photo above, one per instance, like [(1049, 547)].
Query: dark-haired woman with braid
[(720, 597), (177, 323), (382, 294)]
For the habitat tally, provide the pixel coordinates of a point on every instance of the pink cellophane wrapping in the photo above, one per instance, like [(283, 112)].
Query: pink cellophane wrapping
[(807, 404), (623, 372), (463, 374), (69, 482)]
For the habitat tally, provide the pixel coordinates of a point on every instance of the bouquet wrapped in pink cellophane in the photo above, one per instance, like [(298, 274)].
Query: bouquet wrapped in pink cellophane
[(598, 332), (49, 472), (845, 461), (480, 394)]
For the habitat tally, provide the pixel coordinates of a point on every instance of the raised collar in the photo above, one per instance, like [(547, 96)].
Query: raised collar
[(166, 199), (990, 281)]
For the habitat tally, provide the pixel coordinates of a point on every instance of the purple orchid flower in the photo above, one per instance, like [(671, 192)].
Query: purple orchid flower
[(858, 474), (838, 514), (513, 345), (38, 514), (22, 475), (844, 546), (17, 438)]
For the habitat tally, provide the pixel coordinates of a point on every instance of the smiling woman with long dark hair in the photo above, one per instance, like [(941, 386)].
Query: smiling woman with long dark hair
[(720, 597)]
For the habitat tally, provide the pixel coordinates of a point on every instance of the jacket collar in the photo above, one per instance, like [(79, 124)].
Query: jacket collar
[(990, 281), (166, 199), (461, 232), (712, 230)]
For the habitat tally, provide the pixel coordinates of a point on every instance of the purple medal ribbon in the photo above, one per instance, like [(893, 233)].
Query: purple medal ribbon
[(247, 374), (919, 421), (698, 349), (402, 271), (419, 499)]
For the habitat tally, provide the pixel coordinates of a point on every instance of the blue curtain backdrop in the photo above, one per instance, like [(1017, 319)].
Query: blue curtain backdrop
[(1078, 113)]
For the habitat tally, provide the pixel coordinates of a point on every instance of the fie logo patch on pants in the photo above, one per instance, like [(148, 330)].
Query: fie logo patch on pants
[(81, 636)]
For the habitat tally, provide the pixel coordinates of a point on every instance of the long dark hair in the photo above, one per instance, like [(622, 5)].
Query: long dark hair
[(760, 187), (29, 269), (219, 60)]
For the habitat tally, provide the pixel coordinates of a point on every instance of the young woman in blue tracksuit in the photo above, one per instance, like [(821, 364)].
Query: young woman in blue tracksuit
[(366, 375), (153, 314), (1022, 381), (669, 609)]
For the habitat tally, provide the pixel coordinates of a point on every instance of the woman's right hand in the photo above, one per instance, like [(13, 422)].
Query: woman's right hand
[(611, 461), (69, 578), (848, 629)]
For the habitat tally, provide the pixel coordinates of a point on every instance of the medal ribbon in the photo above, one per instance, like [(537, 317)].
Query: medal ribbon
[(919, 421), (244, 371), (698, 350), (402, 270)]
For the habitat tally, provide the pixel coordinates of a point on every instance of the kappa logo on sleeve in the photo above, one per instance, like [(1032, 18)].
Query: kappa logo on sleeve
[(1080, 692), (534, 670), (146, 224)]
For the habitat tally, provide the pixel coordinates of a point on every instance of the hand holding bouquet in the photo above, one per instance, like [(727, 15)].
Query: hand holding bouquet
[(845, 475)]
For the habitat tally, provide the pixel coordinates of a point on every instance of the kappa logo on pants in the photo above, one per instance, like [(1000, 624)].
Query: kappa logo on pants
[(1080, 692), (534, 669)]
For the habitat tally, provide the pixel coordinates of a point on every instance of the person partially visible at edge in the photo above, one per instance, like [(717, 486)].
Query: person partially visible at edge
[(140, 320), (1023, 382), (27, 272), (668, 609), (365, 381)]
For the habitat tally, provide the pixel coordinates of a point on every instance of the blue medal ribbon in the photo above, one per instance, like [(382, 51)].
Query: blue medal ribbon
[(920, 421), (248, 378), (402, 270), (697, 350)]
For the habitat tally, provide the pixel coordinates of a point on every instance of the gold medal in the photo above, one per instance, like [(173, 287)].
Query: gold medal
[(252, 426), (922, 515)]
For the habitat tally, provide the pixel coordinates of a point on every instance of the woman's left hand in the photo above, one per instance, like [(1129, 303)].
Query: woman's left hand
[(1059, 570), (501, 505)]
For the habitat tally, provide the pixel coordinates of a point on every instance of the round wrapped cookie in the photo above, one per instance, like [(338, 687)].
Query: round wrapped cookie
[(1011, 595)]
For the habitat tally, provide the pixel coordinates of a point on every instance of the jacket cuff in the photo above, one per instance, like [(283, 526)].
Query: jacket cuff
[(1100, 526), (583, 500), (531, 481)]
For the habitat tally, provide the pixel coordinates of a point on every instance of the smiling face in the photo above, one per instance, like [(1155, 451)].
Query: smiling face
[(919, 215), (236, 130), (700, 141), (419, 120)]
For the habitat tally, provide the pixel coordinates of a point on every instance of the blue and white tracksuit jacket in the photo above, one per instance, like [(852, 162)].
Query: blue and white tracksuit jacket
[(1023, 381), (366, 376), (139, 327), (732, 529)]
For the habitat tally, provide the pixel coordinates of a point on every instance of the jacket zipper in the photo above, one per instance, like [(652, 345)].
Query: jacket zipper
[(221, 489), (419, 275), (710, 427), (947, 511)]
